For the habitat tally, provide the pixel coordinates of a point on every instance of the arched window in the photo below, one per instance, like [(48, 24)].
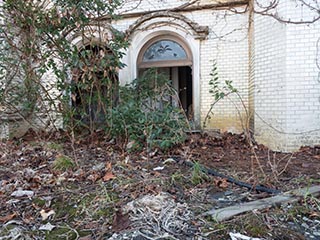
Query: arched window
[(164, 52), (173, 58), (95, 84)]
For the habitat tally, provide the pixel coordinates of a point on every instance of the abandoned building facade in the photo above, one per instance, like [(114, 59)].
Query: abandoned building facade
[(274, 65)]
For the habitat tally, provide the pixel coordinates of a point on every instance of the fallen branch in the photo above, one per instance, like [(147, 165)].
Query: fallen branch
[(287, 197)]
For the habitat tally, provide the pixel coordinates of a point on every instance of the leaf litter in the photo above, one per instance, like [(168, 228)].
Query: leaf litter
[(112, 194)]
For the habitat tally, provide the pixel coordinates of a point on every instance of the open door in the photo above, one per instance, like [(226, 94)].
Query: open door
[(181, 78), (172, 57)]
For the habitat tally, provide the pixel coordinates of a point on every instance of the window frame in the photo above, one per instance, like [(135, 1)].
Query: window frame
[(164, 63)]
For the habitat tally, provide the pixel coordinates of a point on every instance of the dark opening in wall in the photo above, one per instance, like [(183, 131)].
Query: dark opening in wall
[(173, 58), (94, 85)]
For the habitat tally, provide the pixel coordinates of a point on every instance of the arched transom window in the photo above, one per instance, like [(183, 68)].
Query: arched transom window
[(172, 57), (164, 52)]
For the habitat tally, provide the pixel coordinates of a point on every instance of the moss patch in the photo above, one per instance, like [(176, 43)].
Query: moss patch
[(63, 163)]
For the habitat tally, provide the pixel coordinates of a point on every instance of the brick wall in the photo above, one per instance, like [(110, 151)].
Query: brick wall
[(227, 44), (303, 83), (273, 67), (149, 5), (286, 85)]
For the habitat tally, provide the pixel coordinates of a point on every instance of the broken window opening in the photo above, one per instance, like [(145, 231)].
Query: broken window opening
[(94, 85)]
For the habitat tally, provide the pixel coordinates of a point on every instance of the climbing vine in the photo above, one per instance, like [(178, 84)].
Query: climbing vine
[(44, 75)]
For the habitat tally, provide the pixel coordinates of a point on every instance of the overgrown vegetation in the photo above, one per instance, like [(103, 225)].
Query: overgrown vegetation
[(218, 90), (63, 163), (56, 66), (146, 115), (222, 90), (86, 198), (198, 176), (59, 69)]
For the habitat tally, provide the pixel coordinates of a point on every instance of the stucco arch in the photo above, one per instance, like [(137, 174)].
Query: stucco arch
[(160, 25), (91, 34), (153, 20), (171, 37)]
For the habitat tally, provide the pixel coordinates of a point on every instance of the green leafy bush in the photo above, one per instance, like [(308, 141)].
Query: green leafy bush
[(84, 94), (146, 115), (217, 90)]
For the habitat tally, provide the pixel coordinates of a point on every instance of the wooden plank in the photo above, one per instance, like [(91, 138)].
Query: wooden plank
[(291, 196)]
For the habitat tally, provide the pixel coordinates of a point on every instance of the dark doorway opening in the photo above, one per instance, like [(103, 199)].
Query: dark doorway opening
[(185, 90), (181, 79)]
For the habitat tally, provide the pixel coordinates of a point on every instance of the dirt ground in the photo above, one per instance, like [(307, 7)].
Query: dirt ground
[(53, 188)]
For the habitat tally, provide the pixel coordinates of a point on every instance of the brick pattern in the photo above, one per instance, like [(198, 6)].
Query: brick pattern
[(152, 5), (269, 78), (273, 67), (251, 47), (148, 5), (227, 44), (303, 85), (286, 84)]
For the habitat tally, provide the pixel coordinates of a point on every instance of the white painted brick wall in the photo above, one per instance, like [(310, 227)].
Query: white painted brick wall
[(149, 5), (286, 87), (227, 43), (269, 81), (152, 5)]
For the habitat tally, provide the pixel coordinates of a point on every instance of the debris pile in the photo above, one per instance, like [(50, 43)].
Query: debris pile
[(158, 217)]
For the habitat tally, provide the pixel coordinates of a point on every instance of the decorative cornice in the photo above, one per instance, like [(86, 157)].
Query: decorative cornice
[(201, 32), (187, 8)]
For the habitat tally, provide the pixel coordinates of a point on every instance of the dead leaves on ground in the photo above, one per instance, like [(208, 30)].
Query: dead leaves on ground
[(221, 182), (109, 175), (27, 167), (120, 221), (28, 181), (7, 218), (97, 174)]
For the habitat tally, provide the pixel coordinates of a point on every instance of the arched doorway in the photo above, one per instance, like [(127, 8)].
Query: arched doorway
[(172, 57), (94, 85)]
